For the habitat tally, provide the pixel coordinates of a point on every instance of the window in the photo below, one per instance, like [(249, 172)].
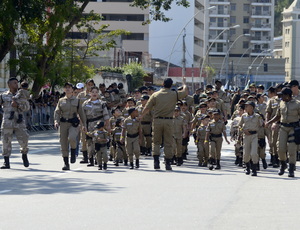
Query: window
[(212, 19), (246, 31), (247, 7), (233, 6), (220, 47), (232, 19), (265, 67), (245, 45), (298, 16), (123, 17), (133, 36), (246, 20), (232, 32), (77, 35)]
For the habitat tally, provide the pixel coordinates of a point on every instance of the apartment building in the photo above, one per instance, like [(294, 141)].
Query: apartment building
[(290, 43), (233, 30), (120, 15)]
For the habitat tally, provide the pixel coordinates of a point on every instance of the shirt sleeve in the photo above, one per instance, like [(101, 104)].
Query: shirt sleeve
[(181, 94)]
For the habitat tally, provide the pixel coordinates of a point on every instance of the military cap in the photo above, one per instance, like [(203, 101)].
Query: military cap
[(216, 111), (261, 87), (250, 103), (218, 81), (293, 83), (252, 85), (130, 99), (286, 91), (131, 110), (68, 84), (99, 125), (145, 97)]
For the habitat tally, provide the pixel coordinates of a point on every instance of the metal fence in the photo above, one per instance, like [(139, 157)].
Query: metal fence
[(40, 118)]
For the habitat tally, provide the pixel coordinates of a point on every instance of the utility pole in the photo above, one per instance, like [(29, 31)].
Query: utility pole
[(183, 55)]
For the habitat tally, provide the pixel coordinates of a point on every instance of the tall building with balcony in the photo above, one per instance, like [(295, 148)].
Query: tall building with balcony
[(290, 43), (228, 46), (120, 15)]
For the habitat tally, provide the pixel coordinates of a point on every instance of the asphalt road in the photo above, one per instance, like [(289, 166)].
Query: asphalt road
[(44, 197)]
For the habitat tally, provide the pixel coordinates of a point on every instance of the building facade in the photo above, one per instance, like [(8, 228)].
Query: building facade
[(290, 43)]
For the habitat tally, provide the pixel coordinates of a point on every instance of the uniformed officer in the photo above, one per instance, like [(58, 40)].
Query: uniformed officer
[(289, 115), (163, 104), (132, 135), (66, 119), (95, 110), (9, 127), (249, 124), (83, 96), (223, 96)]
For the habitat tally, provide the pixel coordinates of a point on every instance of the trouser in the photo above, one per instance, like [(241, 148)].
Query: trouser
[(163, 128), (261, 152), (178, 146), (101, 154), (68, 136), (237, 149), (250, 148), (227, 107), (147, 139), (286, 144), (203, 151), (132, 148), (185, 143), (215, 145), (83, 142), (7, 136), (113, 151), (120, 152), (273, 139), (90, 147)]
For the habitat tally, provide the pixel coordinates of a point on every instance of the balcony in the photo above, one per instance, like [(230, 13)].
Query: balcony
[(215, 2), (261, 14), (260, 27), (261, 3)]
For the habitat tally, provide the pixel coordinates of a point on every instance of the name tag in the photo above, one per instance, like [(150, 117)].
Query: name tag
[(118, 133), (212, 125), (275, 104), (90, 106), (129, 123)]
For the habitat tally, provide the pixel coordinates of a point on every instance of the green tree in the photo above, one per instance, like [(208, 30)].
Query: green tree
[(137, 73), (279, 6)]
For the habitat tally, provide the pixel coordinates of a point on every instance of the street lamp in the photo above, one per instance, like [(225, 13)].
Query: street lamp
[(260, 64), (250, 67), (209, 8), (227, 53), (207, 52)]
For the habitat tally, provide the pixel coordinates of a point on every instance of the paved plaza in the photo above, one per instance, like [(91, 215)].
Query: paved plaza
[(44, 197)]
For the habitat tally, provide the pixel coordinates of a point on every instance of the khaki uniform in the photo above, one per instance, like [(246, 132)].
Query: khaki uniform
[(203, 147), (261, 135), (22, 96), (9, 127), (163, 104), (226, 99), (216, 130), (179, 123), (112, 123), (188, 117), (252, 123), (272, 107), (289, 113), (234, 133), (146, 123), (101, 146), (220, 105), (94, 111), (83, 96), (132, 145), (120, 147), (66, 109)]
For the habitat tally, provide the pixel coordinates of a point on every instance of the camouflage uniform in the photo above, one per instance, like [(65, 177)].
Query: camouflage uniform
[(11, 126)]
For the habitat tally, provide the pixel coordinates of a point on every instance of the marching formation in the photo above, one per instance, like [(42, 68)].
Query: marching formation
[(110, 125)]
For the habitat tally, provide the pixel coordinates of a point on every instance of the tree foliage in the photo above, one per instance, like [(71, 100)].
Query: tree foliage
[(279, 6)]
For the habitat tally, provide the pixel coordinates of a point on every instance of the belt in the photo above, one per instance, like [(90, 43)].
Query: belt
[(252, 132), (167, 118), (94, 119), (66, 120), (132, 135), (293, 124), (216, 135), (145, 122)]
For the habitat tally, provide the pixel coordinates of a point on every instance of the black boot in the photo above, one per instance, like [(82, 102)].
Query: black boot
[(104, 166), (179, 161), (265, 165), (148, 151), (247, 170), (73, 156), (236, 160), (137, 163), (67, 165), (184, 156), (283, 167), (240, 162), (156, 162), (125, 162), (11, 115), (91, 162), (168, 164), (117, 162), (131, 165), (254, 170), (258, 166), (99, 167), (275, 161), (143, 150), (20, 118), (85, 158), (174, 160), (25, 160), (218, 165), (291, 170), (271, 160), (6, 164), (211, 166)]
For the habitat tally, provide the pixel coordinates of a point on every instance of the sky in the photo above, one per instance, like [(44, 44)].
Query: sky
[(164, 34)]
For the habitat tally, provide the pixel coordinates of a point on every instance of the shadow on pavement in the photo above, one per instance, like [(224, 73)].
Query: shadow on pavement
[(42, 184)]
